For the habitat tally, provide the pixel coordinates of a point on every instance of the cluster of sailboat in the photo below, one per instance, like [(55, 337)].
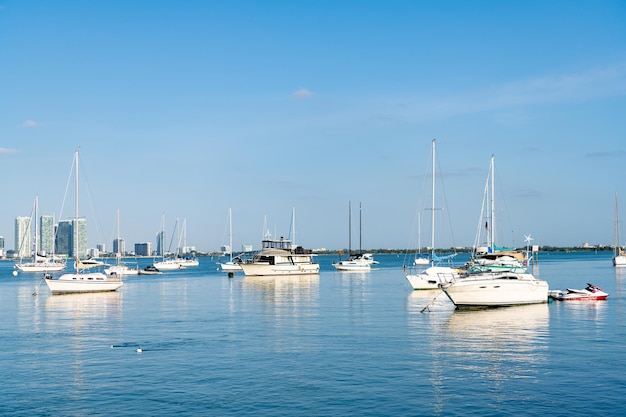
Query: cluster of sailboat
[(84, 278), (495, 276)]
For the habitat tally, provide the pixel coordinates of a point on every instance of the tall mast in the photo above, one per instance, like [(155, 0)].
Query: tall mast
[(76, 185), (118, 253), (230, 233), (492, 233), (349, 227), (616, 237), (432, 207), (35, 252), (75, 227), (360, 249)]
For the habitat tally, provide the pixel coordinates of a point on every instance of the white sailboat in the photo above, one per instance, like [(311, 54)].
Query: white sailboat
[(420, 258), (166, 263), (487, 256), (185, 259), (496, 283), (435, 275), (81, 281), (230, 265), (39, 263), (360, 261), (619, 256), (120, 268)]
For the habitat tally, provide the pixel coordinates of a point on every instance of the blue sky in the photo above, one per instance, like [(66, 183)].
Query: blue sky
[(187, 109)]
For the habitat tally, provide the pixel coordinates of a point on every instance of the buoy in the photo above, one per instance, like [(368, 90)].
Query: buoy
[(139, 350), (14, 273), (230, 275)]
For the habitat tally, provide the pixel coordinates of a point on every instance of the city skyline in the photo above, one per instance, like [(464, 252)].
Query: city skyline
[(185, 111)]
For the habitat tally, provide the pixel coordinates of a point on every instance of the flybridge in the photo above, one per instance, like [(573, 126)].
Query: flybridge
[(284, 244)]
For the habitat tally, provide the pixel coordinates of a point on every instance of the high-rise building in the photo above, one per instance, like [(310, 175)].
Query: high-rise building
[(71, 238), (160, 249), (46, 233), (2, 254), (143, 249), (119, 246), (23, 237), (79, 236), (64, 238)]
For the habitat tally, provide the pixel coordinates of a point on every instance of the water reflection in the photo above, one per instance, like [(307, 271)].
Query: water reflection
[(89, 306), (285, 291), (581, 310), (428, 301), (497, 344)]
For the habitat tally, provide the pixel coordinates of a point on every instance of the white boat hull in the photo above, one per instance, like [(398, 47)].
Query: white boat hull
[(261, 269), (83, 283), (491, 290), (431, 278), (186, 263), (121, 270), (41, 267), (352, 266), (421, 261), (230, 266), (167, 265), (619, 260)]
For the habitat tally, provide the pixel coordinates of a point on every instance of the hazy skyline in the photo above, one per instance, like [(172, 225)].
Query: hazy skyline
[(189, 109)]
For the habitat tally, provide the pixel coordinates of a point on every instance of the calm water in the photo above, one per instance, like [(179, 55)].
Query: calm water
[(334, 344)]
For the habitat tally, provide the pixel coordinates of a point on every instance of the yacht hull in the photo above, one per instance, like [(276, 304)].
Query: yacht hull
[(497, 290)]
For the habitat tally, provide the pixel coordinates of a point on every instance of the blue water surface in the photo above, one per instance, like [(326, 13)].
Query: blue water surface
[(333, 344)]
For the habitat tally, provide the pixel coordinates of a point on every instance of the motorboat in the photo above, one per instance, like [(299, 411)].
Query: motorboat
[(495, 289), (87, 263), (281, 257), (121, 269), (149, 270), (591, 292)]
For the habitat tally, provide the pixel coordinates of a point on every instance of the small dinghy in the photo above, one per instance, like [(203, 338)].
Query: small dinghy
[(591, 292)]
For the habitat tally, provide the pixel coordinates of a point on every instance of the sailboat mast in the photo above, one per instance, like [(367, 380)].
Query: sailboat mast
[(360, 229), (36, 251), (616, 237), (492, 233), (349, 227), (118, 253), (230, 233), (75, 227), (432, 206)]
